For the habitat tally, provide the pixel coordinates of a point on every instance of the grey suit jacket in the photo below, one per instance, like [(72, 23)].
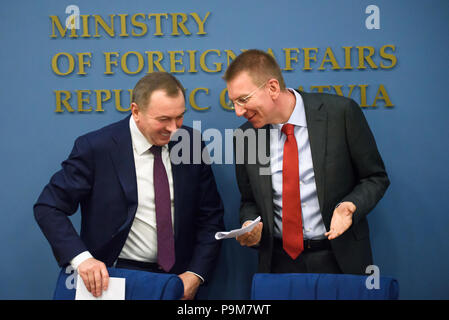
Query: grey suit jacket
[(347, 167)]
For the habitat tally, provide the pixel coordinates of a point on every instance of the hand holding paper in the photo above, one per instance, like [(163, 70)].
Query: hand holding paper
[(248, 235), (115, 291)]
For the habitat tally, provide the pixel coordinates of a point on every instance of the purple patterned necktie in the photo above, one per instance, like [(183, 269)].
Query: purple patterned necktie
[(165, 239)]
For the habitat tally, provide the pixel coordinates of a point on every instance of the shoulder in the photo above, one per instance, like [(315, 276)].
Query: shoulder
[(102, 136), (184, 132), (246, 126), (188, 129), (328, 100)]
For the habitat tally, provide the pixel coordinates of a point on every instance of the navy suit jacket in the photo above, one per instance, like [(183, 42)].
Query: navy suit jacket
[(100, 176)]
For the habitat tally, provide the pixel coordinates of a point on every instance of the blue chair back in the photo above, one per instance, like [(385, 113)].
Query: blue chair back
[(139, 285), (312, 286)]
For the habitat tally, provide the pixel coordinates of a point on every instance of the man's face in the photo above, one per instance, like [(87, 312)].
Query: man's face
[(259, 108), (161, 118)]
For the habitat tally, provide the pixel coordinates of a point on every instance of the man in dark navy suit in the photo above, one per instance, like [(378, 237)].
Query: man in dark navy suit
[(139, 209)]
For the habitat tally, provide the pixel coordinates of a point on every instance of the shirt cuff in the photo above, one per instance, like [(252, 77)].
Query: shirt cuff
[(83, 256), (201, 278)]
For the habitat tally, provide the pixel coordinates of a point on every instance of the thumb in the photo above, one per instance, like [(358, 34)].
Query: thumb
[(350, 206)]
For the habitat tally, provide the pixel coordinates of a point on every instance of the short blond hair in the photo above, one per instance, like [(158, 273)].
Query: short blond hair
[(260, 66)]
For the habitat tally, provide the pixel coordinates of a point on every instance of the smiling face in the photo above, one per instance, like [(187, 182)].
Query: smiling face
[(260, 107), (161, 117)]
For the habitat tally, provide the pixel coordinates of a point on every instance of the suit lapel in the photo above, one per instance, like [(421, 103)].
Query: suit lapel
[(264, 175), (123, 160), (176, 170), (316, 118)]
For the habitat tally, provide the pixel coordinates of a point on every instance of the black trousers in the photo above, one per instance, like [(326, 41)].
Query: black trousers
[(318, 259)]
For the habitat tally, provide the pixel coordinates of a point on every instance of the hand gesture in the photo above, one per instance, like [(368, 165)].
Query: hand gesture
[(341, 220)]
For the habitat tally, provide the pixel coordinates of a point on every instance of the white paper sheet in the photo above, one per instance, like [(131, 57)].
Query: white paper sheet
[(237, 232), (116, 290)]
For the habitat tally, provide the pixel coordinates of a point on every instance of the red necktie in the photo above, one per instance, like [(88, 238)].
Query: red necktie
[(292, 236)]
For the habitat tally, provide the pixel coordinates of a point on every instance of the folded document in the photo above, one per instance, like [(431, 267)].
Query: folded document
[(237, 232)]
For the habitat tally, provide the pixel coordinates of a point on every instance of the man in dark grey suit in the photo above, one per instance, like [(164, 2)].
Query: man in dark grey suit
[(314, 215)]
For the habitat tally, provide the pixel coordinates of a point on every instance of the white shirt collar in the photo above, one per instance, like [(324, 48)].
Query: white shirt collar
[(298, 116)]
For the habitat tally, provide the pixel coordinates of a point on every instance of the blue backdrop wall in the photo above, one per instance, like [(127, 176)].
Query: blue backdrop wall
[(392, 59)]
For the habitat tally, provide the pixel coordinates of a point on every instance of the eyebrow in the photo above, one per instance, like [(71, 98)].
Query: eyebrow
[(240, 97), (167, 117)]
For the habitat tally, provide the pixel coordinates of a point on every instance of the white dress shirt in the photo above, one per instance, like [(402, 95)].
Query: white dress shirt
[(141, 244), (313, 226)]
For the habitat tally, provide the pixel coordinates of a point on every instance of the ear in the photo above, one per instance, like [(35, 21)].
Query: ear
[(274, 88), (135, 111)]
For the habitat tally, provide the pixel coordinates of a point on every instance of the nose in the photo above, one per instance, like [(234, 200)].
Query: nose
[(172, 126), (239, 111)]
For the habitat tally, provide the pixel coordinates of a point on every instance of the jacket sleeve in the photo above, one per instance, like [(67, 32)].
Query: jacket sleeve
[(61, 197), (208, 222), (367, 162), (248, 206)]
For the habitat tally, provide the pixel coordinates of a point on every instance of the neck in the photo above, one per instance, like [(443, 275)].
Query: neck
[(286, 104)]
